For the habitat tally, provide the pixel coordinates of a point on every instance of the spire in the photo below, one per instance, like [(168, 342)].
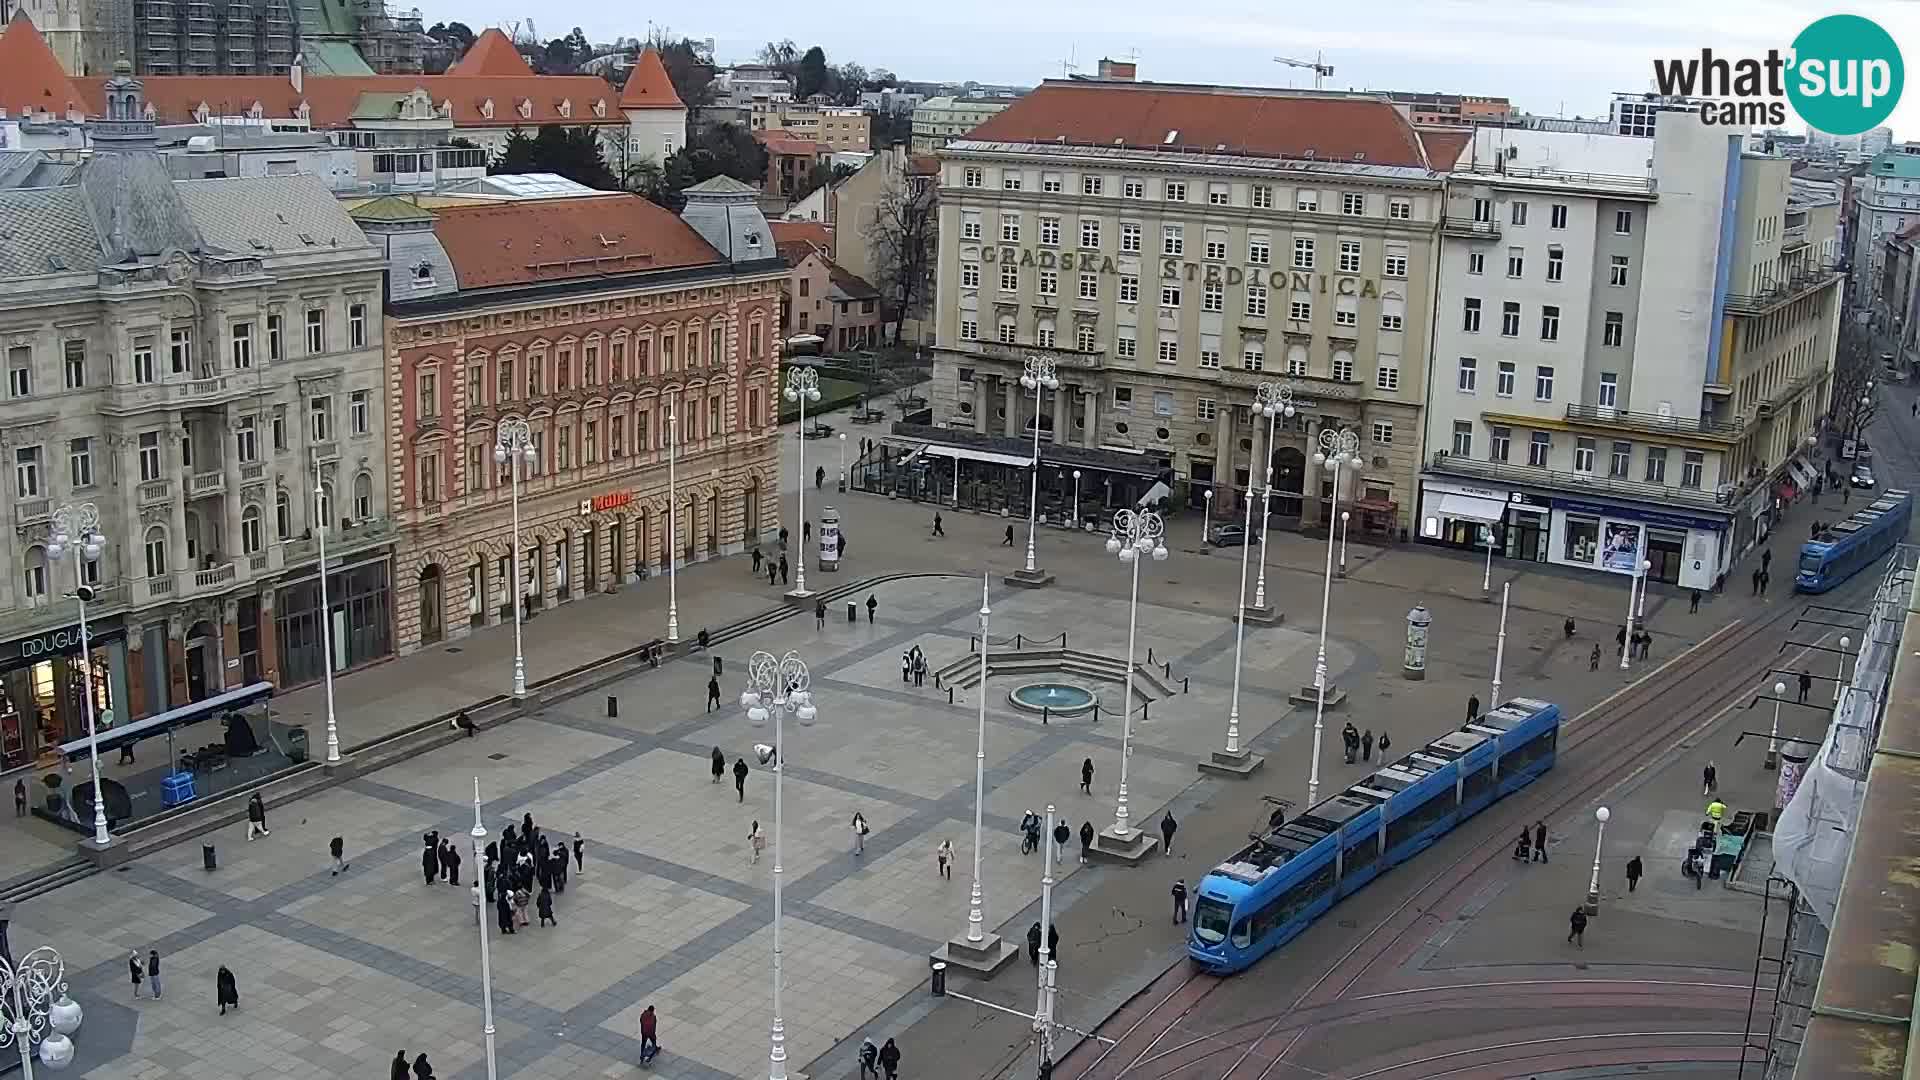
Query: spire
[(30, 75), (648, 85)]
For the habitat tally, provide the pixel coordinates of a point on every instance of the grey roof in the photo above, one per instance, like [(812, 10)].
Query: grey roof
[(44, 230), (135, 211), (269, 214), (31, 168), (722, 185)]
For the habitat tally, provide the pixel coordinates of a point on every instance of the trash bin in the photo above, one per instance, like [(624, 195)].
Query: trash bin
[(207, 857), (297, 744), (853, 612), (716, 667)]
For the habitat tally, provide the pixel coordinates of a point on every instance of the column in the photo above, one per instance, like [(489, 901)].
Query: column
[(1093, 421), (1223, 439), (269, 637), (1060, 418), (980, 420), (230, 468), (1010, 388), (230, 645), (177, 511), (131, 555)]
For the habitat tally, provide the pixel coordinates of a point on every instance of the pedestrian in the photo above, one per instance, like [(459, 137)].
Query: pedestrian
[(1806, 685), (257, 817), (1384, 743), (1350, 741), (943, 856), (938, 528), (1366, 745), (1473, 707), (1709, 779), (1007, 541), (1765, 578), (1756, 581), (1716, 810), (1766, 559), (560, 867), (137, 971), (1593, 661), (20, 798), (520, 897), (719, 764), (713, 693), (544, 905), (806, 532), (1029, 833), (1061, 834), (399, 1069), (1693, 602), (443, 855), (337, 848), (869, 1059), (1086, 776), (579, 853), (503, 907), (1053, 940), (871, 605), (1034, 938), (756, 559), (649, 1031), (819, 614), (890, 1059), (1179, 901), (1633, 873), (429, 857), (783, 538), (740, 777), (906, 668), (226, 990), (1620, 635), (1522, 851), (1086, 840), (860, 831), (1539, 840), (819, 477), (1578, 933), (422, 1068), (153, 972), (919, 667), (1168, 827), (773, 570), (757, 842), (783, 569)]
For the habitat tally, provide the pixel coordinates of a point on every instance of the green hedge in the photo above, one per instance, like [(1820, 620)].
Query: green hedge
[(834, 393)]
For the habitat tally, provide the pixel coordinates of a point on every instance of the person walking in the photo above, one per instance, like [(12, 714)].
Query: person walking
[(890, 1060), (719, 764), (756, 559), (446, 868), (872, 605), (757, 841), (226, 990), (1086, 840), (20, 798), (1384, 743), (153, 972), (452, 861), (1061, 834), (503, 906), (784, 569), (943, 856), (1693, 602), (1766, 559), (1806, 685), (713, 693), (1366, 745), (806, 532), (337, 847), (1053, 941), (773, 571), (544, 905), (740, 777), (257, 817), (1765, 578), (1593, 661), (1350, 741), (649, 1031), (1756, 581), (819, 615), (1034, 937), (1168, 827), (1578, 928), (1029, 833), (1086, 777), (906, 668), (1709, 779), (398, 1071), (860, 830), (819, 477), (422, 1068), (869, 1058), (429, 857), (1473, 707), (1633, 873), (520, 897), (579, 853), (939, 529), (1179, 901), (137, 971), (1007, 540), (1539, 840)]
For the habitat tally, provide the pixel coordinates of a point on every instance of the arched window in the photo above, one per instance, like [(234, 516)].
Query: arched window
[(363, 497), (34, 573), (326, 504), (282, 514), (156, 546), (251, 540)]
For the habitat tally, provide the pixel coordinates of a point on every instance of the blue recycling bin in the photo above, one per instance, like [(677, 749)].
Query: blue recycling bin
[(176, 788)]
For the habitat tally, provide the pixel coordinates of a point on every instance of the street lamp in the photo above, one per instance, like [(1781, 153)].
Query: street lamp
[(803, 385), (321, 511), (1337, 450), (479, 834), (77, 529), (1272, 400), (1206, 519), (1135, 533), (1486, 576), (673, 526), (1076, 498), (778, 686), (976, 908), (1037, 378), (843, 461), (1639, 572), (1049, 966), (36, 1008), (1500, 649), (1344, 515), (1593, 884), (513, 447), (1773, 733), (1838, 676)]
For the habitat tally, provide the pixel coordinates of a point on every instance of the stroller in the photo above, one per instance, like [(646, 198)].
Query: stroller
[(1523, 851)]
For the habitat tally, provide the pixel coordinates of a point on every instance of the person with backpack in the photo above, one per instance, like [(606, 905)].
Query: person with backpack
[(869, 1059)]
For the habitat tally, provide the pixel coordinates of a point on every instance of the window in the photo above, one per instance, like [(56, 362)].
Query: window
[(316, 330), (1394, 266), (972, 178), (1349, 256), (1009, 180), (1205, 409), (1123, 398), (251, 538), (1169, 296), (1469, 374), (1400, 209), (273, 337), (1476, 262), (1169, 351), (1623, 222), (320, 419), (1010, 228), (1256, 300), (1621, 460), (246, 443), (1209, 357), (363, 497), (1300, 310), (1386, 373), (1089, 286), (1516, 262), (1303, 253), (143, 361), (1538, 448), (1043, 335), (1583, 455), (1092, 185), (1557, 216), (1297, 363), (429, 479), (1163, 403), (360, 405), (1090, 232), (75, 352), (19, 372), (241, 346), (1009, 277), (1519, 212), (1125, 346), (1693, 464), (1483, 210), (1510, 319), (1050, 183), (180, 350), (969, 229), (504, 388), (26, 472), (1083, 338), (1609, 389), (1216, 247), (1176, 191), (1262, 197), (1213, 296), (969, 330), (969, 276), (1173, 240), (1549, 323), (429, 394), (1353, 204), (1219, 195), (1129, 236), (1613, 330), (149, 456), (1503, 378), (1344, 314), (1617, 272), (1383, 432), (1133, 189), (80, 462), (1259, 249), (1049, 283), (1656, 464), (1391, 320), (1129, 289), (1306, 202), (156, 551), (1050, 231), (1470, 315), (1556, 264), (1499, 444), (1007, 333), (1253, 356), (1463, 438), (1343, 367)]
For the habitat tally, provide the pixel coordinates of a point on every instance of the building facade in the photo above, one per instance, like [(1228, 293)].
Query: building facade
[(1886, 201), (1170, 266), (1580, 411), (938, 121), (205, 375), (1452, 110), (610, 328)]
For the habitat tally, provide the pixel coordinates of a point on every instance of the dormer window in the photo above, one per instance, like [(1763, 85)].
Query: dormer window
[(423, 275), (150, 112), (256, 111), (486, 108), (566, 108), (445, 108), (305, 111), (201, 112), (600, 107), (525, 108)]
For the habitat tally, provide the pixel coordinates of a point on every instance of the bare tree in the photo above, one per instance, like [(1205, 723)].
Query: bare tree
[(902, 240), (1854, 402)]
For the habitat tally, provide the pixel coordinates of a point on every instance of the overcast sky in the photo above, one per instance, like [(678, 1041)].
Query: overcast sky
[(1549, 56)]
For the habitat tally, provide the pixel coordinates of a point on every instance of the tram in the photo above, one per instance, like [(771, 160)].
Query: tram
[(1843, 549), (1276, 886)]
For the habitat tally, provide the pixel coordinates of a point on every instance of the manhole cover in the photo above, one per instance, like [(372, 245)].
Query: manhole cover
[(496, 757)]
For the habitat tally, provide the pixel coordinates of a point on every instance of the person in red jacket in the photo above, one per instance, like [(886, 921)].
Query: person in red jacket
[(649, 1033)]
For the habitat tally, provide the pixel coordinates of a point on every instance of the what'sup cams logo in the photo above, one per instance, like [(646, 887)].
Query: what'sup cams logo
[(1843, 75)]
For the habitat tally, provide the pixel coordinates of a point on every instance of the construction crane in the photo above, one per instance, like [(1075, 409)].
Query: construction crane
[(1317, 65)]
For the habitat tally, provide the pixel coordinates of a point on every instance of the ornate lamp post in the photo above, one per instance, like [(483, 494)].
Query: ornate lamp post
[(1773, 733), (479, 835), (1840, 675), (976, 908), (1344, 515), (673, 527), (1633, 586), (777, 686), (1135, 533), (513, 447), (1593, 884), (36, 1009), (321, 511), (803, 385), (1206, 519), (1076, 498), (1336, 454), (1038, 377), (1272, 400), (76, 529), (843, 461)]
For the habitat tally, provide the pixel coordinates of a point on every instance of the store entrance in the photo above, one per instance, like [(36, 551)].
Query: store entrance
[(1526, 536), (203, 661), (1665, 551)]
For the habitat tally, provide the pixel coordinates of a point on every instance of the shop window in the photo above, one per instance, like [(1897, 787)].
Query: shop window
[(1583, 539)]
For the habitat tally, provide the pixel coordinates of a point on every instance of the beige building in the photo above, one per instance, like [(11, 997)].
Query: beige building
[(938, 121), (1171, 247), (840, 129)]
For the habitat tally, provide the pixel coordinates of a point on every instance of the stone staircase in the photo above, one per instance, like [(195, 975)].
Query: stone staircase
[(963, 673)]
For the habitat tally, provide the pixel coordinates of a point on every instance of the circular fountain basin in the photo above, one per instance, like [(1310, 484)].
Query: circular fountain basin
[(1059, 699)]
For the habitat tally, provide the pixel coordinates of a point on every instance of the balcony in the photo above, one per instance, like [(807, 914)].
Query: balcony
[(1654, 423), (153, 590), (220, 574), (250, 473), (342, 541), (28, 621), (1587, 483), (326, 451), (27, 511), (1794, 238), (1606, 183), (1017, 354), (123, 400), (156, 493), (203, 484), (1469, 229), (1803, 284)]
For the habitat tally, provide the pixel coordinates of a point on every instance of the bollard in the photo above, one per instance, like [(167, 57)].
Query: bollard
[(1183, 683), (936, 680), (1096, 712), (1150, 654), (653, 656), (1063, 639), (950, 694), (1046, 715), (716, 667), (1019, 642), (1146, 712), (613, 706), (1167, 669), (940, 979)]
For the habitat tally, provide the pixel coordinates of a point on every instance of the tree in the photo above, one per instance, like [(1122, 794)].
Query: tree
[(457, 34), (726, 150), (557, 57), (691, 76), (812, 76), (1854, 402), (783, 55), (901, 238), (571, 152)]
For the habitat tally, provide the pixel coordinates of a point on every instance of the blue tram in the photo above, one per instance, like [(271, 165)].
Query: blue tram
[(1845, 548), (1273, 888)]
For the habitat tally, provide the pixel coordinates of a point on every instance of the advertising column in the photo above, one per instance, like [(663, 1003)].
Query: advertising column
[(829, 539)]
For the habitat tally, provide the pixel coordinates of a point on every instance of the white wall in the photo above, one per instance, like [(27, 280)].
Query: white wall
[(1675, 276), (655, 134)]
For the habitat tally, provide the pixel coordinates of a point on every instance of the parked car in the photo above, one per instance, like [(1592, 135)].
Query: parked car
[(1862, 477), (1228, 536)]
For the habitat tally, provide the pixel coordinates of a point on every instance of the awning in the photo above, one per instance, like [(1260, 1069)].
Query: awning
[(1803, 473), (1471, 507), (1154, 494), (172, 718), (968, 454)]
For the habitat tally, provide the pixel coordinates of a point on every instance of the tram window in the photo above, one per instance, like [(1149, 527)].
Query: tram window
[(1810, 562), (1437, 806), (1479, 781), (1242, 937), (1531, 751), (1362, 854), (1283, 908), (1210, 919)]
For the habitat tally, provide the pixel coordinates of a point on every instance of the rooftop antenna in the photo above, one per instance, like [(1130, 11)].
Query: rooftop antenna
[(1067, 66), (1321, 70)]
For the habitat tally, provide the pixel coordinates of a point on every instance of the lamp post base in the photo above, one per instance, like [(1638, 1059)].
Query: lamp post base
[(982, 959), (1037, 578), (1773, 761), (1130, 848), (1264, 615), (1308, 695), (1239, 765), (1592, 906), (798, 596)]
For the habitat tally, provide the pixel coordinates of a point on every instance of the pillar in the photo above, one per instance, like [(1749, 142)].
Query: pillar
[(1060, 418), (980, 421), (233, 547), (176, 660), (1224, 448), (135, 705), (177, 512), (1010, 390), (269, 637), (1092, 437), (230, 675)]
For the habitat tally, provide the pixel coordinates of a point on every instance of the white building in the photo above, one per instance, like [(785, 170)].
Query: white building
[(1886, 201), (938, 121), (1626, 361)]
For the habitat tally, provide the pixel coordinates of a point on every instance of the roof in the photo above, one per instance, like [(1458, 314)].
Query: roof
[(45, 229), (1896, 163), (648, 86), (269, 215), (332, 58), (34, 79), (1265, 123), (492, 53), (852, 285), (390, 208), (522, 243), (923, 165), (519, 186), (782, 141), (722, 185), (1443, 147), (817, 233), (799, 251)]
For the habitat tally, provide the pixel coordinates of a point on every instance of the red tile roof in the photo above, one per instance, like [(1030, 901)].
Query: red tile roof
[(799, 251), (520, 243), (1268, 123), (817, 233), (33, 78), (648, 86), (923, 165), (1444, 147), (782, 141), (855, 286), (492, 53)]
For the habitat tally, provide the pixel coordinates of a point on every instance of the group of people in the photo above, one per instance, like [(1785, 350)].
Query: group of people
[(1533, 843), (913, 667), (1639, 640), (777, 571), (422, 1069), (873, 1059), (516, 865), (1359, 744)]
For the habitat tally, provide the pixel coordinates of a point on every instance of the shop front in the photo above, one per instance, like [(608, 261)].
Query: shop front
[(1685, 550), (43, 689), (360, 621), (1460, 515)]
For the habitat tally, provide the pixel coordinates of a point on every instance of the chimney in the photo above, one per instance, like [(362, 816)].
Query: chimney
[(298, 78), (1116, 70)]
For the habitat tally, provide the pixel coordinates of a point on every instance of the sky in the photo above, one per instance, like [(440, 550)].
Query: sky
[(1553, 57)]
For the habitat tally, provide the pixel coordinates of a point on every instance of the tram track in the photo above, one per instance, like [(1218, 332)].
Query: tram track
[(1526, 1058)]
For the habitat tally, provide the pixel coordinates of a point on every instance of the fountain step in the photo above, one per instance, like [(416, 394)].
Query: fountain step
[(1234, 766)]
